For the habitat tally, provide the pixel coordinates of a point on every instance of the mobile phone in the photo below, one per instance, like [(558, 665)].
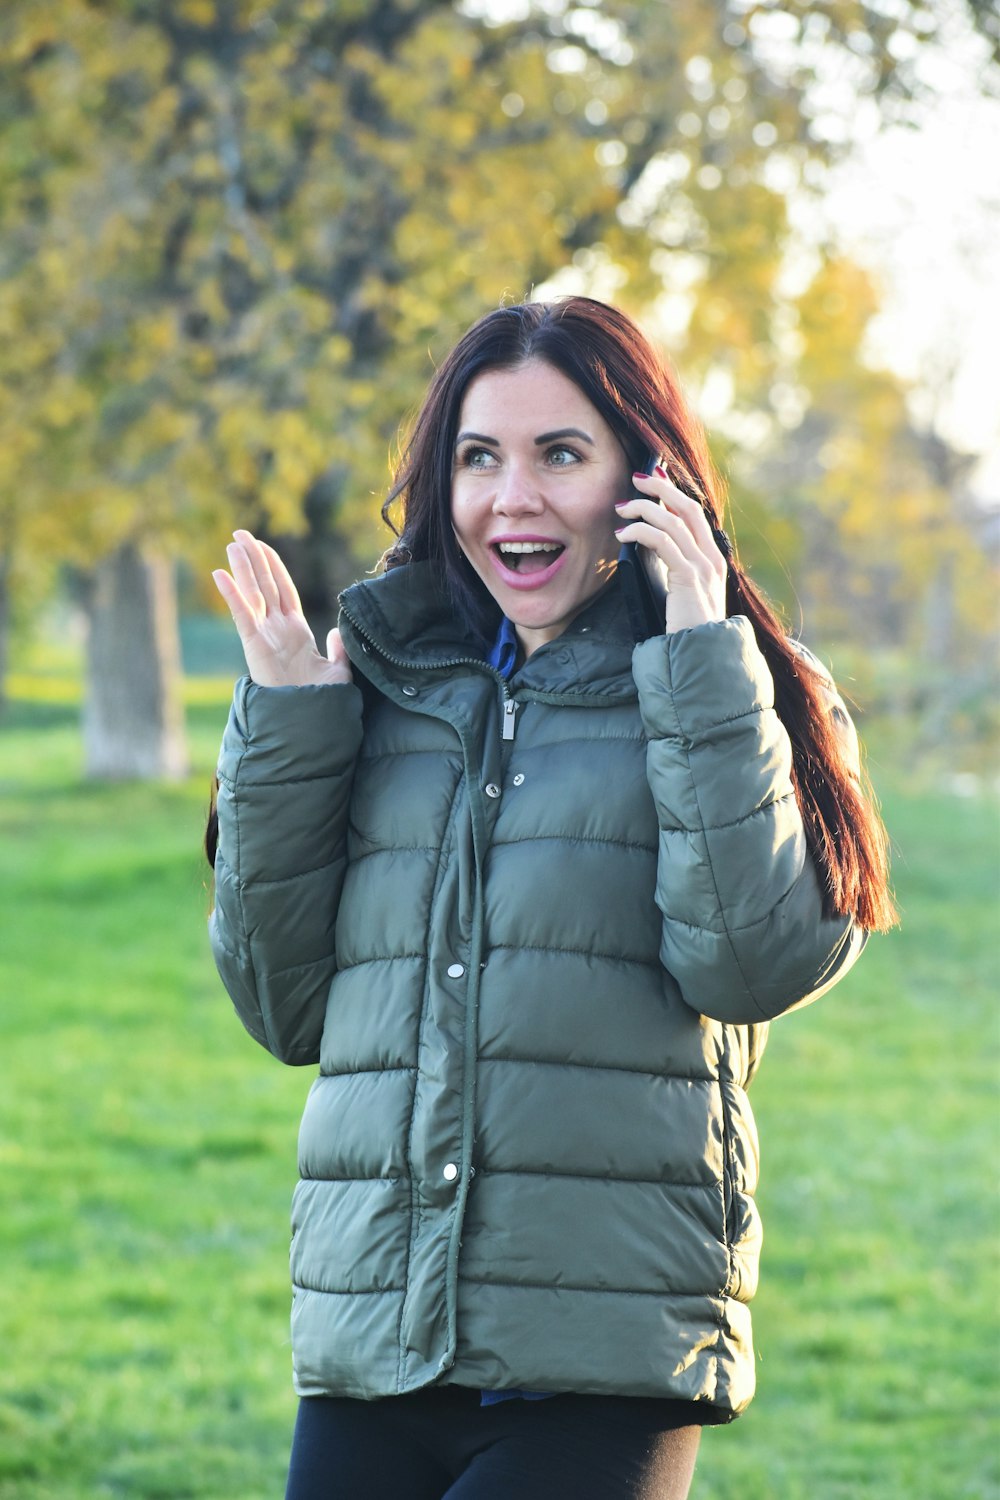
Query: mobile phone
[(645, 596)]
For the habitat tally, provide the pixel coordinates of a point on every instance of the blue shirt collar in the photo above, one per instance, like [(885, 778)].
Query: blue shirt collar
[(503, 656)]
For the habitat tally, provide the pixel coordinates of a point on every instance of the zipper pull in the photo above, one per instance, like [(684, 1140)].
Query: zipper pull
[(508, 720)]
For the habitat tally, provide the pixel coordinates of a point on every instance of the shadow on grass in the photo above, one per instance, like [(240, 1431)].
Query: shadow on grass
[(19, 714)]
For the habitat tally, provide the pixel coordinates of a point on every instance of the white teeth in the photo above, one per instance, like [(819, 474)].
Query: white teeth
[(529, 546)]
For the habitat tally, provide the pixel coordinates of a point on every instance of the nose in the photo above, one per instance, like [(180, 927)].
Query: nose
[(517, 492)]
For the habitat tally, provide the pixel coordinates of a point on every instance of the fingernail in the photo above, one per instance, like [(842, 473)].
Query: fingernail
[(639, 474), (661, 471), (620, 529), (621, 504)]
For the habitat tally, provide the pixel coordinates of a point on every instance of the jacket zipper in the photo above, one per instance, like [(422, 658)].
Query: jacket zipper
[(728, 1189), (508, 711), (509, 716)]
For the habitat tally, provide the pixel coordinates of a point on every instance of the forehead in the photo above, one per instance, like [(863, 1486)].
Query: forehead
[(531, 396)]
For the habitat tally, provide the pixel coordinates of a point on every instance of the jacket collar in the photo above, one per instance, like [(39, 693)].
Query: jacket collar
[(405, 618)]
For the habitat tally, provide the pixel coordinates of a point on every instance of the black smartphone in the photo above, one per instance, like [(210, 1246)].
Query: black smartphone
[(645, 598)]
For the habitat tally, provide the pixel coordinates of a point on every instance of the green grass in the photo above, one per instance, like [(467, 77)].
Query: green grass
[(147, 1156), (876, 1324)]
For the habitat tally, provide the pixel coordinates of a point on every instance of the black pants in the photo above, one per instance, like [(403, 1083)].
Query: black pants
[(441, 1443)]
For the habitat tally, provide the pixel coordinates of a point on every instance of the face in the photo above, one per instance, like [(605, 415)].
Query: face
[(536, 475)]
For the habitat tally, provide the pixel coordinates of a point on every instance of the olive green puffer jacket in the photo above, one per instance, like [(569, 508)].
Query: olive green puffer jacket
[(533, 934)]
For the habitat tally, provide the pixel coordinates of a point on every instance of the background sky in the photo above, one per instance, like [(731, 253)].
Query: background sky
[(917, 204), (921, 207)]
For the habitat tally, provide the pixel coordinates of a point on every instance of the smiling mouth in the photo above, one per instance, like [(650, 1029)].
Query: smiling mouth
[(528, 557)]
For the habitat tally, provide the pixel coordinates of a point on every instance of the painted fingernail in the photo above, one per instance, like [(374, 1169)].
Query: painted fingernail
[(661, 471), (620, 529), (639, 474), (621, 504)]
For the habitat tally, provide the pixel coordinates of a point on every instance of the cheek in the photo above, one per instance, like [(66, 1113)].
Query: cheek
[(461, 531), (455, 510), (470, 513), (602, 526)]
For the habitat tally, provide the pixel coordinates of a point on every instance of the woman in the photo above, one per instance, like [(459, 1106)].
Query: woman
[(529, 892)]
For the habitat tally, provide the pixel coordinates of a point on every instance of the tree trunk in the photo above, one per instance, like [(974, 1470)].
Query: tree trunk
[(133, 719)]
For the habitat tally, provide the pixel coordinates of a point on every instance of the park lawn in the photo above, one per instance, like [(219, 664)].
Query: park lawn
[(147, 1155)]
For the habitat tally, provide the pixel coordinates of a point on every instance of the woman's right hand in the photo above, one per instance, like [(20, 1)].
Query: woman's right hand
[(279, 647)]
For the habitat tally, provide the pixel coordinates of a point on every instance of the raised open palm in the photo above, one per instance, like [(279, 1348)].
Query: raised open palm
[(279, 646)]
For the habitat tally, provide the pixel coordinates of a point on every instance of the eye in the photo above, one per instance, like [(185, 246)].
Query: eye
[(563, 458), (476, 458)]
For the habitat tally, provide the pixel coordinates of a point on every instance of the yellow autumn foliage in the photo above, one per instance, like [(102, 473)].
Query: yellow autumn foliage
[(235, 239)]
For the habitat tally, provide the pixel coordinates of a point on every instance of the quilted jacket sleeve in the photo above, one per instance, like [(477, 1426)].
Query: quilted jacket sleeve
[(743, 930), (285, 774)]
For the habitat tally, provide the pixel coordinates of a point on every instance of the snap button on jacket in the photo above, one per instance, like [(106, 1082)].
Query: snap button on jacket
[(528, 1158)]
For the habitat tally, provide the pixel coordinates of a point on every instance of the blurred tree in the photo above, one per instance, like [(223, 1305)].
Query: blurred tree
[(133, 669), (236, 234), (986, 20), (888, 554)]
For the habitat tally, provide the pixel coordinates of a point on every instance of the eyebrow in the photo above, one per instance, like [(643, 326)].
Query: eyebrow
[(545, 437), (561, 432)]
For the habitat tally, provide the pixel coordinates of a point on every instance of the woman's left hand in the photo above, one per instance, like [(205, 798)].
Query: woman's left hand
[(679, 548)]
